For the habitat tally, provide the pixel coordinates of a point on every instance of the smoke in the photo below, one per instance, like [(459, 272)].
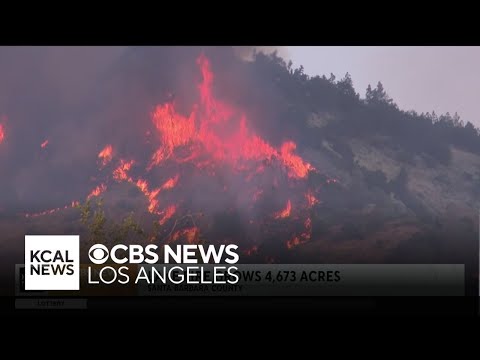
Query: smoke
[(80, 99), (246, 52)]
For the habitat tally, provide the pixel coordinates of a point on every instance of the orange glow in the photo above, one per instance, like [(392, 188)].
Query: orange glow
[(170, 183), (121, 172), (2, 133), (251, 251), (106, 155), (143, 186), (293, 242), (285, 212), (51, 211), (190, 235), (219, 130), (303, 238), (97, 191), (152, 201), (167, 214), (308, 230), (218, 139), (311, 199)]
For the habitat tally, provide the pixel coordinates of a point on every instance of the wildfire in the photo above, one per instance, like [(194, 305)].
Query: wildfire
[(303, 238), (2, 133), (152, 207), (106, 155), (293, 242), (167, 214), (285, 212), (170, 183), (152, 201), (189, 234), (121, 172), (216, 138), (297, 167), (217, 129), (51, 211), (143, 186), (97, 191)]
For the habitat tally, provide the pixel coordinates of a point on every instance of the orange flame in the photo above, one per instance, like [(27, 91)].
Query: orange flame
[(2, 133), (152, 201), (143, 186), (97, 191), (303, 238), (152, 207), (170, 183), (190, 235), (44, 144), (106, 155), (285, 212), (219, 130), (121, 172), (293, 242), (213, 134), (51, 211), (168, 213)]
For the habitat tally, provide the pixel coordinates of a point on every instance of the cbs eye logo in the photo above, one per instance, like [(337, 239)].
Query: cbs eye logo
[(98, 254)]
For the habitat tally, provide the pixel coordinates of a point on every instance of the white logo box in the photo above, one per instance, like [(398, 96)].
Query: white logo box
[(66, 247)]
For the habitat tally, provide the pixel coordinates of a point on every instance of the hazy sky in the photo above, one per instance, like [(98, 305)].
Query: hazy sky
[(419, 78)]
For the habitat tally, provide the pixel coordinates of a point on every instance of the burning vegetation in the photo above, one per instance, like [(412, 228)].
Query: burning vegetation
[(172, 147), (212, 155), (2, 133)]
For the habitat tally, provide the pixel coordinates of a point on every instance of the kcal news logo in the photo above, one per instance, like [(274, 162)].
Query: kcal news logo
[(52, 262)]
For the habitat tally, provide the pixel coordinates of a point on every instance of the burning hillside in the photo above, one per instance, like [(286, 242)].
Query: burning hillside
[(212, 161), (192, 145)]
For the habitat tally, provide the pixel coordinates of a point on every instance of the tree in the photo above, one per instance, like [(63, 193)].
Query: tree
[(332, 78), (378, 95), (346, 86), (369, 94)]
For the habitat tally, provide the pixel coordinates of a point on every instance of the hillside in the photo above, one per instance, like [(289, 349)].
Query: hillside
[(195, 144)]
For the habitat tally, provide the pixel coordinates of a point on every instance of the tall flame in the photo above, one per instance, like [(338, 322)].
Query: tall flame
[(218, 129), (106, 155), (213, 135)]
